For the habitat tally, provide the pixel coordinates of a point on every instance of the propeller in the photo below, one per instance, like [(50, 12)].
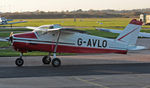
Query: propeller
[(8, 39), (11, 37)]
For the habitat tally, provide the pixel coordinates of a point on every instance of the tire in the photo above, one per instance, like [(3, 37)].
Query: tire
[(19, 62), (46, 60), (56, 62)]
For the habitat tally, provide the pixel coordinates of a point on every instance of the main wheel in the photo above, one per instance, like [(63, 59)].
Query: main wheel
[(46, 60), (56, 62), (19, 62)]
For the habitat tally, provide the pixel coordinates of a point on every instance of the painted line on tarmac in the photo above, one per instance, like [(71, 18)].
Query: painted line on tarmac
[(89, 82)]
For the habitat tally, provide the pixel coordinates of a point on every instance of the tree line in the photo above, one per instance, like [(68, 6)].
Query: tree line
[(76, 14)]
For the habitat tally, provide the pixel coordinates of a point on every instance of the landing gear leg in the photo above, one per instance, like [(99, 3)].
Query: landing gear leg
[(19, 61), (47, 59), (56, 62)]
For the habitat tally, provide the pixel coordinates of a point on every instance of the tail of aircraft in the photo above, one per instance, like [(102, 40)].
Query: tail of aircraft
[(130, 33)]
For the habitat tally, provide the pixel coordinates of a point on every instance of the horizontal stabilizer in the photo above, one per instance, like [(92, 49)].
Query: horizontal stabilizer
[(109, 30), (136, 47)]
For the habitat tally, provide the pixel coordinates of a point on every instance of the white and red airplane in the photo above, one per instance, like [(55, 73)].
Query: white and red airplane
[(68, 40)]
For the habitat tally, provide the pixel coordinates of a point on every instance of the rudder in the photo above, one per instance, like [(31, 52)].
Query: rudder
[(130, 33)]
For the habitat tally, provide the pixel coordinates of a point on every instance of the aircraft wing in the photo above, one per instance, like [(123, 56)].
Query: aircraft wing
[(34, 28), (45, 27), (64, 30), (109, 30), (17, 22), (141, 34), (9, 19), (71, 30)]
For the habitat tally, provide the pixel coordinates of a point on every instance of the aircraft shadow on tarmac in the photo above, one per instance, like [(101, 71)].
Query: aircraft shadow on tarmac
[(75, 70)]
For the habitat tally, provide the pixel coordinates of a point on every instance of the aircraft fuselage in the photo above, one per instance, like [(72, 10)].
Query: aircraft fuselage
[(70, 43)]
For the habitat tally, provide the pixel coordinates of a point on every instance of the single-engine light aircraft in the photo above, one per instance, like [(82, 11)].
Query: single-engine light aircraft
[(4, 21), (58, 39)]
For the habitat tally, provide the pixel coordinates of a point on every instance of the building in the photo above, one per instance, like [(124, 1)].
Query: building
[(145, 19)]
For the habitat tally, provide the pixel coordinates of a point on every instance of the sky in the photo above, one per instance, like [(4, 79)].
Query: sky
[(63, 5)]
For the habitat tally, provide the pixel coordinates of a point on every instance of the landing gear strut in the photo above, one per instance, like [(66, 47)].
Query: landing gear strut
[(19, 61), (56, 61)]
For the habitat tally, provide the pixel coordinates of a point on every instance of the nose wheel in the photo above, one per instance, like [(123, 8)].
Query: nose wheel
[(19, 62)]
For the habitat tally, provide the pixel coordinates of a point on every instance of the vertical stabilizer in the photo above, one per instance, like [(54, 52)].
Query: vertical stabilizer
[(130, 33)]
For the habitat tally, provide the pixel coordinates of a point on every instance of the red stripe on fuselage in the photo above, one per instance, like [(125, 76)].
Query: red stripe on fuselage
[(26, 35), (24, 47)]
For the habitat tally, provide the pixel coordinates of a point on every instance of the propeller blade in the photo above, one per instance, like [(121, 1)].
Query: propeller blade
[(10, 37), (4, 40), (11, 34)]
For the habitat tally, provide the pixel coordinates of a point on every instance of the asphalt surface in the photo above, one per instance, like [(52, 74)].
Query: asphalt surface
[(80, 71)]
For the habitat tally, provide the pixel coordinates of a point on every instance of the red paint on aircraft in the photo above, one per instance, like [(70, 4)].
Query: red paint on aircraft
[(136, 22), (26, 35), (25, 47)]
